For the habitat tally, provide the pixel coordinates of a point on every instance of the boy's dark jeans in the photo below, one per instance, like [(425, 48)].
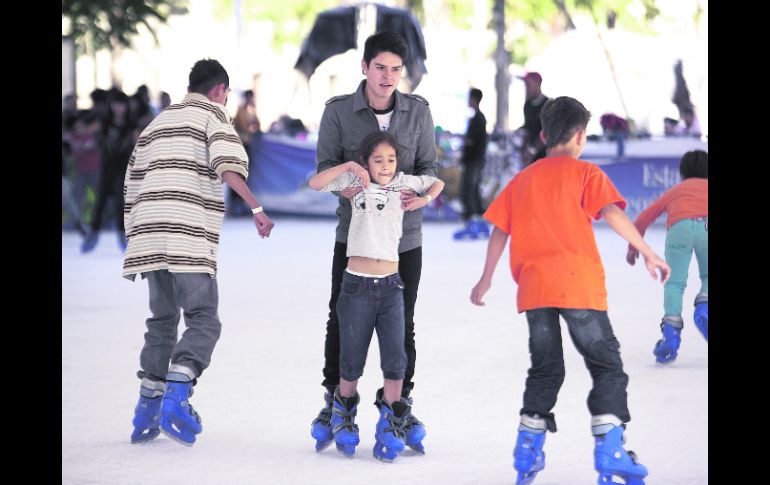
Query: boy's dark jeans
[(592, 335), (410, 270), (364, 305)]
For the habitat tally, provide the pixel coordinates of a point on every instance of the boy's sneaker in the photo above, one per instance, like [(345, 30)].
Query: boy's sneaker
[(178, 419)]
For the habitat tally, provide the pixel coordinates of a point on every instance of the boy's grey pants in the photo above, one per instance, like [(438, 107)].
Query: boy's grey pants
[(197, 295)]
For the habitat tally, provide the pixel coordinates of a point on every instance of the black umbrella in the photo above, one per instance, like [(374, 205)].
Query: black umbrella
[(681, 94), (335, 32)]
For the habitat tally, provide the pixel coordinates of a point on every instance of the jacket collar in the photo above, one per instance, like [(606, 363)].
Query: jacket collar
[(359, 99)]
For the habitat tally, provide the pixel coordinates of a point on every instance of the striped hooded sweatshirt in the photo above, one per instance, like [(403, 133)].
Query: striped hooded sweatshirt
[(174, 201)]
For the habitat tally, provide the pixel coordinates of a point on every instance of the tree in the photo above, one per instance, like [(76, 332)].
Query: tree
[(110, 24), (292, 19)]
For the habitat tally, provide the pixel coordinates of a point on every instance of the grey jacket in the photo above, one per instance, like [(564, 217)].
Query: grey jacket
[(345, 122)]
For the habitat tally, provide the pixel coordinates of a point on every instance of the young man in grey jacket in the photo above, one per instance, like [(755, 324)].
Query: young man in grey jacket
[(376, 105)]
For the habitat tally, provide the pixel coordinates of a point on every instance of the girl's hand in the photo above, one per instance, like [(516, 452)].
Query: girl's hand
[(413, 203), (360, 172)]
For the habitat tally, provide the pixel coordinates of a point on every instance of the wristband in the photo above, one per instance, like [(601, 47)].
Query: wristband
[(257, 210), (429, 198)]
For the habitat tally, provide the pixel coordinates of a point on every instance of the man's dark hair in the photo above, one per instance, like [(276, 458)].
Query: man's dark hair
[(385, 41), (371, 141), (206, 74), (476, 94), (561, 118), (694, 164)]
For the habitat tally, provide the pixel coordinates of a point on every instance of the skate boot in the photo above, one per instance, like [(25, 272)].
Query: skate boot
[(528, 455), (147, 412), (701, 315), (321, 427), (414, 429), (666, 349), (343, 424), (481, 228), (610, 459), (467, 232), (389, 432), (122, 242), (178, 420), (89, 243)]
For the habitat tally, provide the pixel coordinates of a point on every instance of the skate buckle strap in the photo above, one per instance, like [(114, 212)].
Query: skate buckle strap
[(347, 420), (410, 421), (395, 424), (193, 412), (324, 417)]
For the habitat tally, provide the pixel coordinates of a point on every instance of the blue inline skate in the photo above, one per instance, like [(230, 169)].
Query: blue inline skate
[(481, 228), (612, 461), (343, 424), (321, 427), (701, 314), (666, 349), (468, 232), (528, 455), (147, 412), (474, 229), (389, 432), (178, 420), (146, 420), (414, 429)]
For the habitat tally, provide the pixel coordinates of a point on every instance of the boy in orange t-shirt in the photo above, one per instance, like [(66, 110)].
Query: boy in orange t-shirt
[(546, 210)]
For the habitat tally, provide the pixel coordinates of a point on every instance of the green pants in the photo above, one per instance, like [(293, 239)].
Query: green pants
[(682, 239)]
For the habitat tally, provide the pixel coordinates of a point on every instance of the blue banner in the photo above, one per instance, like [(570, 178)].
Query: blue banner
[(643, 180), (281, 167)]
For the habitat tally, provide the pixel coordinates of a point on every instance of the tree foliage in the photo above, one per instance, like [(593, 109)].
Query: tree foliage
[(292, 19), (113, 23), (533, 23)]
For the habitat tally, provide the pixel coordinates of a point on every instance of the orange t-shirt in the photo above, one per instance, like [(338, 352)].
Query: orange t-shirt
[(686, 200), (546, 210)]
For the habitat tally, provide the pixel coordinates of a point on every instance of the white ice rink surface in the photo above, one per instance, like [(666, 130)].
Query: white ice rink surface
[(262, 390)]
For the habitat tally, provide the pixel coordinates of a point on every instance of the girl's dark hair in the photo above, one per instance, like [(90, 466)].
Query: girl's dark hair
[(371, 141), (694, 164)]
